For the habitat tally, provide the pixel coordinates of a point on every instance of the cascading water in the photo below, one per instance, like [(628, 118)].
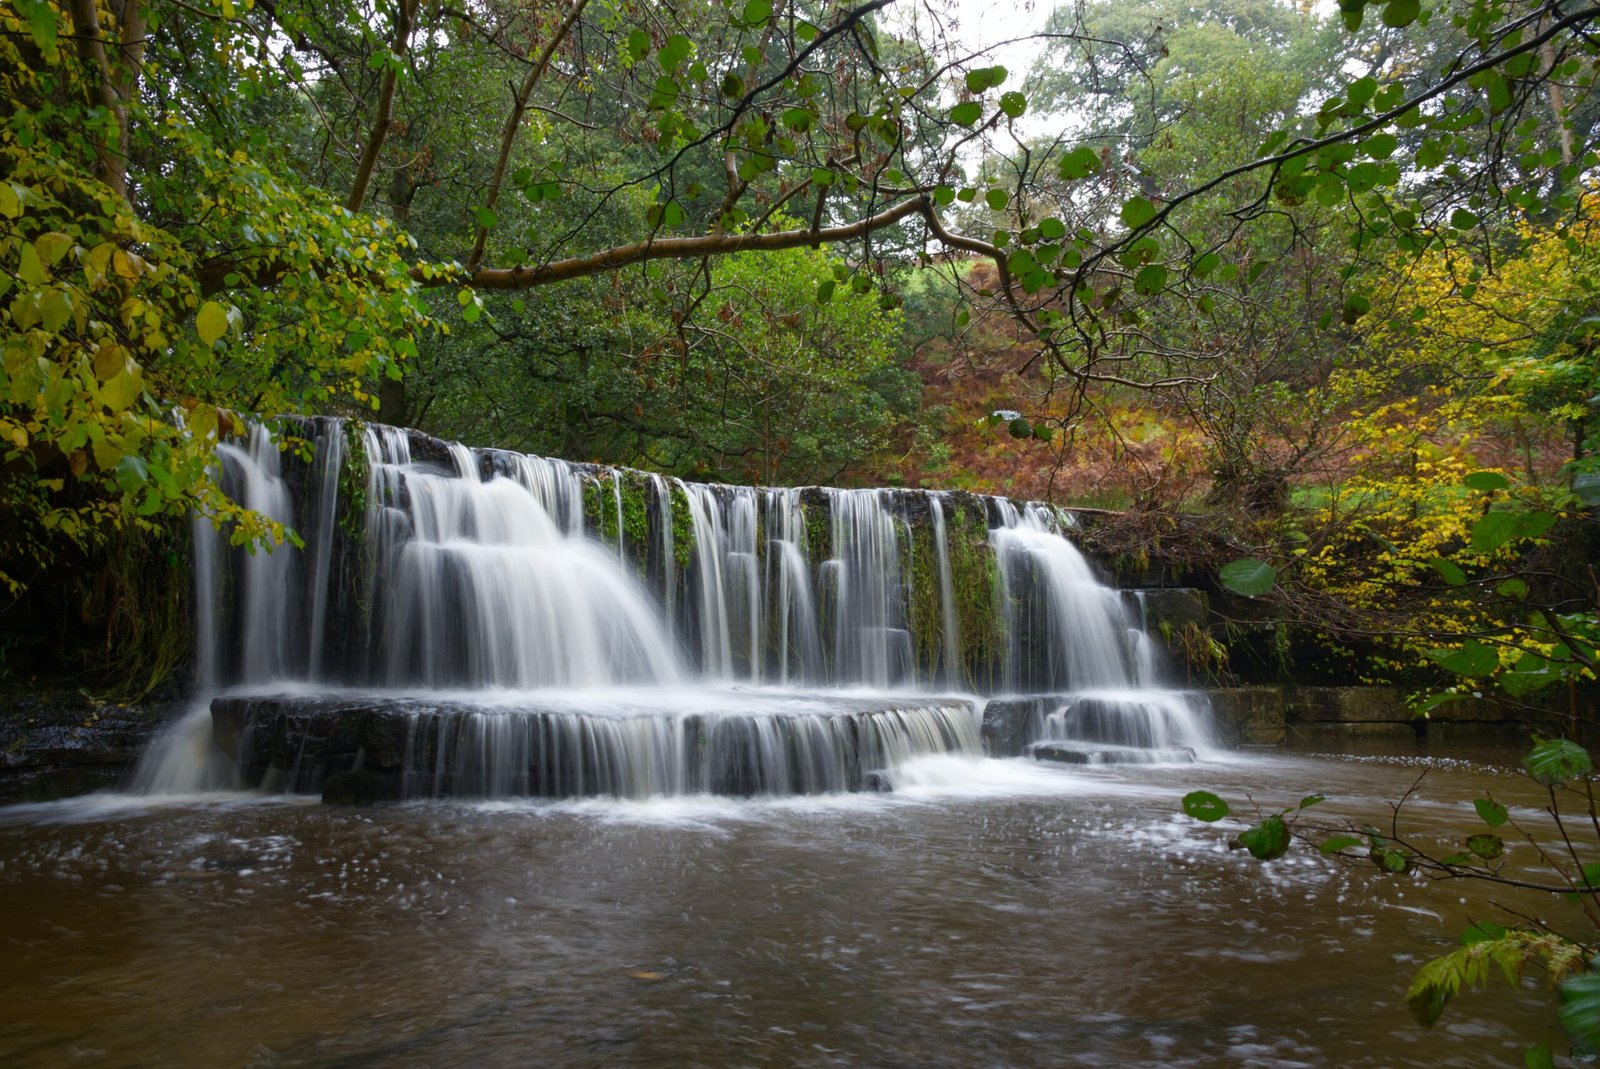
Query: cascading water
[(1070, 634), (492, 624)]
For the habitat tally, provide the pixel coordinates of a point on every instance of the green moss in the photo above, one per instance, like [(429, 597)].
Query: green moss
[(925, 609), (596, 496), (683, 541), (355, 474), (975, 590), (819, 531), (141, 595)]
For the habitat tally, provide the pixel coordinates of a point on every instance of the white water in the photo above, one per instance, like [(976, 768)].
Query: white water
[(479, 590)]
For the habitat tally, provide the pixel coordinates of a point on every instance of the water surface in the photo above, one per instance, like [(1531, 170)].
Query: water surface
[(989, 913)]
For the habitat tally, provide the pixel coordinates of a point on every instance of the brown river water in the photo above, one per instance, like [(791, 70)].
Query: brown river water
[(994, 913)]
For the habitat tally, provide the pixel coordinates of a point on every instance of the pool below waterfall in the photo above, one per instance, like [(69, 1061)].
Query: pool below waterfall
[(988, 912)]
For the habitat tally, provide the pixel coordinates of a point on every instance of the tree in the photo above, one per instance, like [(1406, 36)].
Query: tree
[(257, 276)]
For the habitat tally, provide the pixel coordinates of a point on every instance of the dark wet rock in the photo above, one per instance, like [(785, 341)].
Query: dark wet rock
[(1010, 724), (54, 744), (362, 788), (357, 749), (1080, 753)]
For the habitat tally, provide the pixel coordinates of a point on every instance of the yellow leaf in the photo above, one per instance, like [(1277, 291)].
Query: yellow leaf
[(29, 269), (124, 265), (52, 247), (106, 455), (211, 322), (120, 392), (202, 421), (19, 437)]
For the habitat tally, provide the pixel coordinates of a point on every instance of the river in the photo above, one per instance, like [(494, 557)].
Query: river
[(987, 913)]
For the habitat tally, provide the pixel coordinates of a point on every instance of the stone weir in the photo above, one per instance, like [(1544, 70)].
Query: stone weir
[(458, 576), (367, 748)]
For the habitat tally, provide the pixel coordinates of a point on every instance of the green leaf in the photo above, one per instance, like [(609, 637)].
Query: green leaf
[(1268, 840), (1461, 219), (131, 473), (664, 94), (42, 24), (1448, 571), (1534, 524), (1203, 805), (1150, 280), (1013, 104), (1401, 13), (1206, 264), (638, 44), (1338, 843), (1381, 146), (1531, 673), (1249, 577), (485, 217), (1555, 761), (1493, 530), (1136, 212), (966, 113), (1388, 859), (1052, 229), (1486, 846), (211, 322), (1580, 1009), (985, 78), (1512, 588), (1493, 813), (997, 199), (1486, 481), (1473, 659), (1538, 1056), (1310, 800), (672, 213), (674, 52), (1081, 161), (1020, 428), (825, 291), (756, 12)]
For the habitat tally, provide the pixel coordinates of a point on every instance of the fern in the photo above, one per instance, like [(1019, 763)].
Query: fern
[(1437, 982)]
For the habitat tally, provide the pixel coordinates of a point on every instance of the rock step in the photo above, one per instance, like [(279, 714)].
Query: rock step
[(1082, 753)]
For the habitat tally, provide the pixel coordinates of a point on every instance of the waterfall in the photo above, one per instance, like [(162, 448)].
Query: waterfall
[(799, 645), (870, 642), (489, 592), (710, 590), (466, 630), (1068, 631), (950, 662)]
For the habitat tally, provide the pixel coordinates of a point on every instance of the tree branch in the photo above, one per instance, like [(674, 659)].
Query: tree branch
[(508, 135), (620, 256), (380, 125)]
